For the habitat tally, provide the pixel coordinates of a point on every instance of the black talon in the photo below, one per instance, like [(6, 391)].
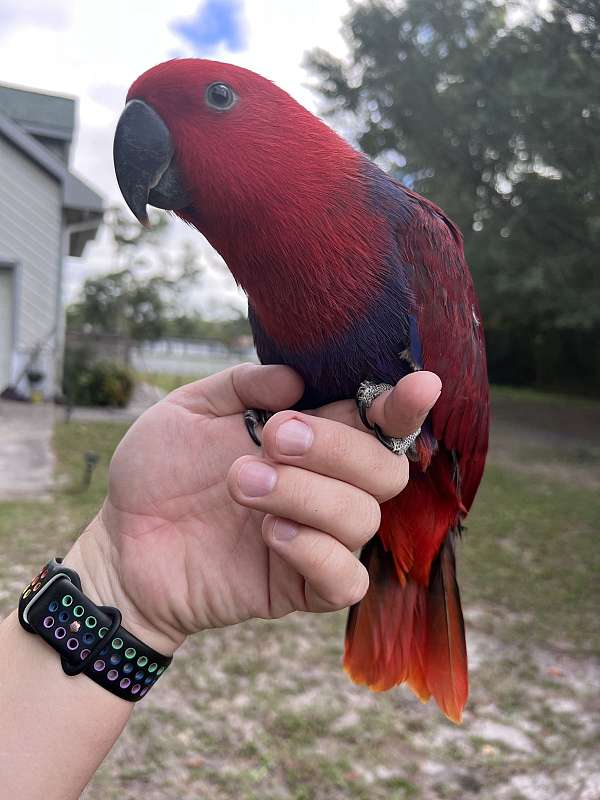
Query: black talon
[(253, 419), (366, 394), (362, 413)]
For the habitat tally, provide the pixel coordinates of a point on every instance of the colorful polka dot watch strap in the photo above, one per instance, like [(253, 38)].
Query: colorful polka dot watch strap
[(89, 638)]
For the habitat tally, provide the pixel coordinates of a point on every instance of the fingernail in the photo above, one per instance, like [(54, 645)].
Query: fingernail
[(283, 530), (293, 438), (256, 479)]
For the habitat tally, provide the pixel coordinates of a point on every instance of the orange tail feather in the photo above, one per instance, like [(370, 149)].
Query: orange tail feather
[(403, 631), (445, 650)]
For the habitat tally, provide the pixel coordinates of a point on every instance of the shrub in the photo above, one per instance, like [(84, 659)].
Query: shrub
[(96, 383)]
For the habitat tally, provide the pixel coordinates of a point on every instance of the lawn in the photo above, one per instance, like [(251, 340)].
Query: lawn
[(165, 380), (264, 711)]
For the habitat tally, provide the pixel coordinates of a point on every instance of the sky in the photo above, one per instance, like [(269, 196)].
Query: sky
[(94, 50)]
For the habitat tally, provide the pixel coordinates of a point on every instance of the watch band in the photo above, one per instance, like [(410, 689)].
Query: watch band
[(89, 638)]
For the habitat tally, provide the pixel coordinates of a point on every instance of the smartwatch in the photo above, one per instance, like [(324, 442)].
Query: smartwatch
[(88, 638)]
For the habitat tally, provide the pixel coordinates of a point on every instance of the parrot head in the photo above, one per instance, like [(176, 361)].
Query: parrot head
[(273, 188), (207, 139)]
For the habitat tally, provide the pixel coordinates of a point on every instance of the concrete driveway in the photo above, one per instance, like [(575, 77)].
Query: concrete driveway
[(26, 458)]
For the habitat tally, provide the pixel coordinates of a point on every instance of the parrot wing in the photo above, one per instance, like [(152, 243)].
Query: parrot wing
[(451, 339), (409, 627)]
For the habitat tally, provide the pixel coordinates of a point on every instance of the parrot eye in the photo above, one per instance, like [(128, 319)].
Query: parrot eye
[(220, 96)]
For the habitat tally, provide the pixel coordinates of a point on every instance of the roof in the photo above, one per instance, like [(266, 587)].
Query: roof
[(38, 112), (78, 196), (80, 202)]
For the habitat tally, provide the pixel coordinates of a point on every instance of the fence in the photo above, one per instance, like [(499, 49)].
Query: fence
[(175, 356)]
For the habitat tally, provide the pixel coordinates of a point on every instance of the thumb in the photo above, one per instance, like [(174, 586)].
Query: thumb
[(403, 409), (273, 387)]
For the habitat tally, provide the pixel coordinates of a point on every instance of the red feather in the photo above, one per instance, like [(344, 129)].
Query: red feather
[(424, 642), (445, 648)]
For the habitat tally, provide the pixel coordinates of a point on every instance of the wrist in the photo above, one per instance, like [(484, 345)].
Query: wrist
[(93, 557)]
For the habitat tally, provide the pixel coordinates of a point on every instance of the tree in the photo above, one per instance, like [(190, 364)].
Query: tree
[(228, 330), (122, 304), (137, 300), (494, 113)]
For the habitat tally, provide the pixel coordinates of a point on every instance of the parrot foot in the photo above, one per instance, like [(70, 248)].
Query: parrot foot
[(367, 393), (255, 418)]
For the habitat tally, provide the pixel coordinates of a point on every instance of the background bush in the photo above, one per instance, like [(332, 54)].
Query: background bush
[(96, 383)]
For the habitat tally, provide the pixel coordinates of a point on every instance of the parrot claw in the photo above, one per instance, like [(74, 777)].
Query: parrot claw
[(253, 419), (366, 395)]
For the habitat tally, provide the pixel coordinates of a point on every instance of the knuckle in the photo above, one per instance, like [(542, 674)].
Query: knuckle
[(368, 517), (394, 477), (340, 509), (295, 493), (300, 494), (338, 446), (357, 586), (321, 554), (244, 367), (241, 372)]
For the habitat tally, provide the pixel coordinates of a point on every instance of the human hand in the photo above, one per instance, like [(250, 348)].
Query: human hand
[(202, 529)]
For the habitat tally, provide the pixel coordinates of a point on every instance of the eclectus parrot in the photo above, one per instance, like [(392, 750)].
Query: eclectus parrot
[(350, 277)]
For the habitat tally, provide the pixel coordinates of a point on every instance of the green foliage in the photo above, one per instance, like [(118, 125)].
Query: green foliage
[(95, 383), (143, 297), (120, 303), (492, 111), (138, 298), (195, 326), (166, 381)]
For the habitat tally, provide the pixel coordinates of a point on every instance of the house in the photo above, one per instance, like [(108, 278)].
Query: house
[(46, 214)]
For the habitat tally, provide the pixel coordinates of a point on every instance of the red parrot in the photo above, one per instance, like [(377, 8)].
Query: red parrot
[(350, 276)]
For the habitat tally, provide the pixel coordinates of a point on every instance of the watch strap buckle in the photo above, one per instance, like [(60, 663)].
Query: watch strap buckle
[(71, 668)]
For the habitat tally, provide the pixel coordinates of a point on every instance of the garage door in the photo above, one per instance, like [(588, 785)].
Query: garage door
[(6, 325)]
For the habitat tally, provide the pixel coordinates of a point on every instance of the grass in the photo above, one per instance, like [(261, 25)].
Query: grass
[(166, 381), (32, 531), (527, 396), (531, 550), (264, 711)]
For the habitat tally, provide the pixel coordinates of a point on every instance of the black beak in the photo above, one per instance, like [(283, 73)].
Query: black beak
[(144, 164)]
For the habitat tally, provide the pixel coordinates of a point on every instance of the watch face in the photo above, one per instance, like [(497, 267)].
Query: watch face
[(35, 591), (35, 583)]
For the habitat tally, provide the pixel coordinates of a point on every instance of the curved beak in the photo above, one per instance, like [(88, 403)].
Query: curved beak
[(144, 164)]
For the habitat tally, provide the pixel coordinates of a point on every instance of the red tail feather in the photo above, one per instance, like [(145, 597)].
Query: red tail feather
[(409, 627), (445, 650), (380, 646)]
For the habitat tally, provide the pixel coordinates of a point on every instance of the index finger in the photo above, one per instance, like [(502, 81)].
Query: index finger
[(399, 412)]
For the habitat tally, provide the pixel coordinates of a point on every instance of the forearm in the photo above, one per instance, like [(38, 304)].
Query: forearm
[(55, 730)]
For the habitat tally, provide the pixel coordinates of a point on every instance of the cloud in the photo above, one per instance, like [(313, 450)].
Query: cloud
[(95, 50), (216, 22), (36, 13)]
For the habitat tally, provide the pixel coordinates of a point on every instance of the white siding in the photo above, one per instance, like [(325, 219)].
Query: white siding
[(30, 235)]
